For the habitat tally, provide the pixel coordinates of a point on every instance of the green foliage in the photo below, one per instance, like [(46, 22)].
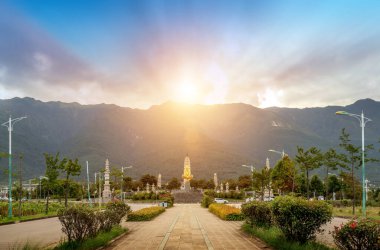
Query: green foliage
[(93, 243), (245, 181), (226, 212), (174, 184), (309, 160), (258, 213), (70, 168), (206, 201), (362, 234), (81, 222), (28, 208), (145, 214), (261, 181), (283, 175), (316, 185), (298, 218), (147, 178), (274, 237)]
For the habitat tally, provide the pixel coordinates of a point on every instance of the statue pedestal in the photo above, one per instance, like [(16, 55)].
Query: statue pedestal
[(186, 184)]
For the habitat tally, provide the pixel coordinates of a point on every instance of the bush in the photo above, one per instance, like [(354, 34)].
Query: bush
[(300, 219), (258, 213), (112, 216), (145, 214), (78, 223), (226, 212), (206, 201), (362, 234)]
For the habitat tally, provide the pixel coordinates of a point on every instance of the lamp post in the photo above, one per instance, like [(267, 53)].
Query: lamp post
[(98, 174), (278, 152), (9, 124), (122, 180), (252, 168), (42, 177), (362, 120), (88, 185)]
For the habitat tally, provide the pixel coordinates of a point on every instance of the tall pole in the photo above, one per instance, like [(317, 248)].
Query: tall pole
[(9, 124), (121, 185), (88, 185), (10, 169), (362, 123)]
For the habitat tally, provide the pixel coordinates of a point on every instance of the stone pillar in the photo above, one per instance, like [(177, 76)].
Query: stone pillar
[(106, 191), (159, 181), (215, 181)]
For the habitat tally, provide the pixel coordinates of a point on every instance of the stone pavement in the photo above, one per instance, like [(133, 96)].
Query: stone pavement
[(186, 226)]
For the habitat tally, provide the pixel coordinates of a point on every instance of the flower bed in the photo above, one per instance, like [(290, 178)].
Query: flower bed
[(145, 214), (226, 212)]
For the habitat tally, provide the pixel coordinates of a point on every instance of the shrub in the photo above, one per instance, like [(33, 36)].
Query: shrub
[(362, 234), (226, 212), (300, 219), (206, 201), (78, 223), (145, 214), (258, 213), (112, 215)]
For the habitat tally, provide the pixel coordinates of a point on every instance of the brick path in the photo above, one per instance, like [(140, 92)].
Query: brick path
[(186, 226)]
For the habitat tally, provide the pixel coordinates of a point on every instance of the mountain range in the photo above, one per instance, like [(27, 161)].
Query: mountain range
[(217, 138)]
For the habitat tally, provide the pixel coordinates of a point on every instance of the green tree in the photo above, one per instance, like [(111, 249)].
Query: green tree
[(352, 159), (316, 185), (331, 160), (284, 174), (147, 178), (53, 164), (174, 184), (69, 168), (334, 185), (245, 181), (309, 160), (116, 174), (261, 181)]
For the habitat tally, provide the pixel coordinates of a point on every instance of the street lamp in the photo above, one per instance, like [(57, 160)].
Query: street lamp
[(88, 185), (42, 177), (9, 124), (252, 168), (122, 180), (362, 120), (278, 152), (99, 175)]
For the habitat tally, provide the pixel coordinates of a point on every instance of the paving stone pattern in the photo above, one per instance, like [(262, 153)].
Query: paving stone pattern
[(186, 226)]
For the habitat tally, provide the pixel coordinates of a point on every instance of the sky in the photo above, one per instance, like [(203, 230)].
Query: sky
[(140, 53)]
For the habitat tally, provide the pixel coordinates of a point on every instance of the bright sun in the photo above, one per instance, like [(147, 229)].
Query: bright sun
[(187, 92)]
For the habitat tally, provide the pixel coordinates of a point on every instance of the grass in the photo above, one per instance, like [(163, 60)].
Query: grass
[(372, 212), (25, 246), (100, 240), (6, 220), (274, 238)]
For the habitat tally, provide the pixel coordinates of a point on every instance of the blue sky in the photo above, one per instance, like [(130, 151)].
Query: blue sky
[(140, 53)]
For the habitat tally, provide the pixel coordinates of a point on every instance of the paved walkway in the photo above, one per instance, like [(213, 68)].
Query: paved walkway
[(186, 226)]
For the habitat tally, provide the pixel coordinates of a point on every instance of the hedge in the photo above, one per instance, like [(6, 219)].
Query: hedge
[(145, 214), (300, 219), (226, 212), (258, 213)]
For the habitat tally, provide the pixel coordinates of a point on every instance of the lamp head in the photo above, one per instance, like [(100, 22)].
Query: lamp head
[(341, 113)]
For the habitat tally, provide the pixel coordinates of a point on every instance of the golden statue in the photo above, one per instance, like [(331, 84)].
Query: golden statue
[(187, 169), (187, 176)]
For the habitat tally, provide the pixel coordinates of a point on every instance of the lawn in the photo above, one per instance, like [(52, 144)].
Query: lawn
[(346, 212)]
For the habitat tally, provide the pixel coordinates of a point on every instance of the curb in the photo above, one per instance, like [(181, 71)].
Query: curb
[(113, 240), (21, 221)]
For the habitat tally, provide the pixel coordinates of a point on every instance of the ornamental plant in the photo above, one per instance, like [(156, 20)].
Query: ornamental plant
[(300, 219), (206, 201), (226, 212), (258, 213), (145, 214), (358, 235)]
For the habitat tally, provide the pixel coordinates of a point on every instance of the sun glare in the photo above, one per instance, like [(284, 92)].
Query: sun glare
[(187, 92)]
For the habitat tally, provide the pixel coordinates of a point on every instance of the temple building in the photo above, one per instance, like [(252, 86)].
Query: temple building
[(187, 176)]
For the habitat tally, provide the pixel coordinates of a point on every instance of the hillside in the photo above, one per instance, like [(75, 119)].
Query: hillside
[(218, 138)]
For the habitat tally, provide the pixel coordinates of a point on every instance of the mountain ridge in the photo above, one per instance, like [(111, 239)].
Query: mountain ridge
[(219, 138)]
